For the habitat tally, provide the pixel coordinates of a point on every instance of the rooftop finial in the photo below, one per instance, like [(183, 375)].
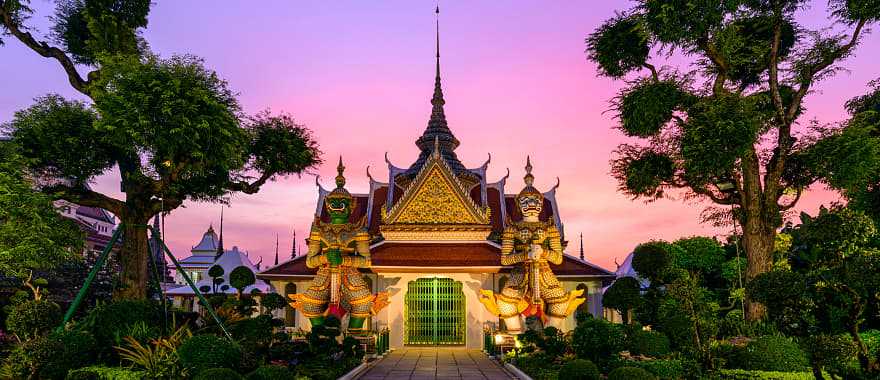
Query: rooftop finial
[(220, 249), (340, 179), (529, 179), (437, 100)]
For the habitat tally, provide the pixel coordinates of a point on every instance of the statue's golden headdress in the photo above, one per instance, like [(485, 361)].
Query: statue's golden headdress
[(529, 179), (339, 191)]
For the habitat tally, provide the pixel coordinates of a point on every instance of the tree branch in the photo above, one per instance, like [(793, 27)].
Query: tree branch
[(711, 195), (774, 69), (807, 80), (45, 50), (794, 201), (653, 71), (251, 188), (86, 197), (718, 60)]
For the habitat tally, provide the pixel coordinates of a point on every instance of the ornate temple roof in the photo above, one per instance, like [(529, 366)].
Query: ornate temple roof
[(209, 243)]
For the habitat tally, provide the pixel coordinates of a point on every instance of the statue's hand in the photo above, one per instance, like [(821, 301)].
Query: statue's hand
[(334, 257), (535, 251)]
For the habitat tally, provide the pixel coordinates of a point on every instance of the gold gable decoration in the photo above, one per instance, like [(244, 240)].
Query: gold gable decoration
[(436, 202), (436, 206)]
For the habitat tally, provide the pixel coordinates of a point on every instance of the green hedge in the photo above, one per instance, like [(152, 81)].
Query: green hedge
[(648, 343), (741, 374), (664, 369), (202, 352), (218, 374), (630, 373), (105, 373)]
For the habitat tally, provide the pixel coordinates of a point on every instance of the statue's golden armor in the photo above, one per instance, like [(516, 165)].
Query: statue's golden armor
[(338, 249), (353, 243), (531, 245), (532, 283)]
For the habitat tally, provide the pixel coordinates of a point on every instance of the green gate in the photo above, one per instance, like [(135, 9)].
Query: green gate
[(435, 313)]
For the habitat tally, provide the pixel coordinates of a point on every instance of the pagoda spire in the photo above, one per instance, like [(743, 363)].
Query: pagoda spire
[(293, 246), (276, 249), (438, 128), (220, 249), (582, 246)]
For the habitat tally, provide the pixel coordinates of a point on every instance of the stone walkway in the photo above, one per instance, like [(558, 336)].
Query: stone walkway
[(436, 363)]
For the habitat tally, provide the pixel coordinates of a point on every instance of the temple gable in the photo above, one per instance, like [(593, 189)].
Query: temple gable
[(436, 201)]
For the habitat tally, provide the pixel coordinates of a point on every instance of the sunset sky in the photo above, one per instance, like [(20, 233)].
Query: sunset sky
[(360, 76)]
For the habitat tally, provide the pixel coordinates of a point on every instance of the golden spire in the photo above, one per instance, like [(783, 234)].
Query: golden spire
[(529, 179), (340, 179)]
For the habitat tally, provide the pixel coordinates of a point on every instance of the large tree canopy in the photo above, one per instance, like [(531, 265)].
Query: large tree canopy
[(172, 127), (723, 125)]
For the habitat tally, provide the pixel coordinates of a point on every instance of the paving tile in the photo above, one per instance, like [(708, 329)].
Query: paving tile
[(431, 363)]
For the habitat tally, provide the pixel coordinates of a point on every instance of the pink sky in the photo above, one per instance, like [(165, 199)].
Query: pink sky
[(360, 75)]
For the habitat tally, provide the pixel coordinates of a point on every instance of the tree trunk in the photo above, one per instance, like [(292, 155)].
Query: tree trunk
[(758, 241), (134, 258)]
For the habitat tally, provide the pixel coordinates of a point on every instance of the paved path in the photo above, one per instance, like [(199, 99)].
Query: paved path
[(436, 363)]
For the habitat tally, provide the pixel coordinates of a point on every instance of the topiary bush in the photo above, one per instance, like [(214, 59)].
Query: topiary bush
[(665, 369), (30, 319), (202, 352), (740, 374), (218, 374), (630, 373), (598, 340), (270, 372), (579, 369), (648, 343), (770, 353)]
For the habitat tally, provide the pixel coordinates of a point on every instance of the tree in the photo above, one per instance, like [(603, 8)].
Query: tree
[(172, 128), (623, 295), (833, 283), (721, 127), (852, 154), (216, 274), (240, 278), (273, 301), (33, 235)]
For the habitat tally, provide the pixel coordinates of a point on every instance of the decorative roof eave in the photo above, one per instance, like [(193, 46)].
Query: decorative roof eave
[(374, 185), (480, 213), (322, 192), (551, 195)]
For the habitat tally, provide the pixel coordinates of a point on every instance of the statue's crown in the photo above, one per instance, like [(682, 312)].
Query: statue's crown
[(529, 179), (340, 191)]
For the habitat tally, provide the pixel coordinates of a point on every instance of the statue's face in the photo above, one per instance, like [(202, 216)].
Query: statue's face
[(530, 205), (339, 209)]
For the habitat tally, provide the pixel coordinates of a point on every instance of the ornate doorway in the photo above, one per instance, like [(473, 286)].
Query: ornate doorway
[(434, 312)]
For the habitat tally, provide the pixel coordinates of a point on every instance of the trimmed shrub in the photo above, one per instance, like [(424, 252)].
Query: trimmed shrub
[(598, 340), (105, 373), (739, 374), (648, 343), (579, 369), (270, 372), (630, 373), (202, 352), (770, 353), (218, 374), (666, 369), (30, 319)]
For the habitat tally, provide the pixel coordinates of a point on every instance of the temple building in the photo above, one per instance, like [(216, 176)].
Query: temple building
[(435, 228), (207, 253)]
